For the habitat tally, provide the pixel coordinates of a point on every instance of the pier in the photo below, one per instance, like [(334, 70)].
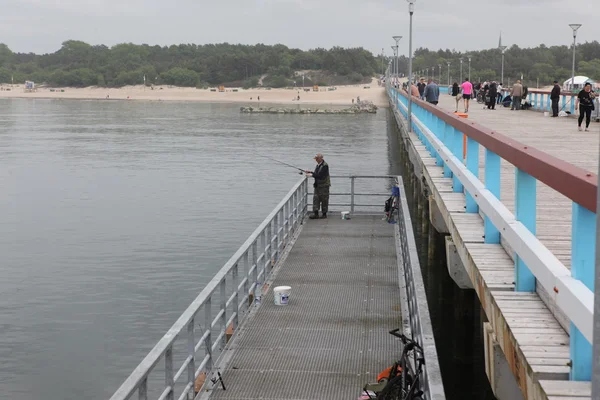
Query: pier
[(352, 281), (515, 195)]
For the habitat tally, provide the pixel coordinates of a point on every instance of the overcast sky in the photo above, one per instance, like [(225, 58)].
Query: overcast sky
[(41, 26)]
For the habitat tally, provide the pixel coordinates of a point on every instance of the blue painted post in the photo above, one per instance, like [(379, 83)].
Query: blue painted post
[(537, 104), (573, 105), (525, 205), (564, 102), (583, 256), (457, 151), (473, 167), (448, 143), (439, 133), (492, 183)]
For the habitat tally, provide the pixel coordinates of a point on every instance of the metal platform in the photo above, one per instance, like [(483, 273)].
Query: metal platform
[(333, 336)]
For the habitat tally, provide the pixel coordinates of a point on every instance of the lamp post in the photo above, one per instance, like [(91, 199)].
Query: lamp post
[(440, 67), (461, 63), (394, 49), (574, 27), (448, 62), (469, 68), (382, 71), (411, 10), (397, 39), (502, 49)]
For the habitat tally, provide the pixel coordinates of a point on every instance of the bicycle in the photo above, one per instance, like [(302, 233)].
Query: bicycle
[(402, 380)]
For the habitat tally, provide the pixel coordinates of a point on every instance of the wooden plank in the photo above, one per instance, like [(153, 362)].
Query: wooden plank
[(568, 388)]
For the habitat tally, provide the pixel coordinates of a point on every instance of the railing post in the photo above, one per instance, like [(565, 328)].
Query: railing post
[(223, 295), (572, 105), (583, 257), (236, 297), (254, 262), (143, 390), (457, 150), (352, 178), (191, 369), (439, 133), (269, 246), (447, 139), (169, 382), (564, 102), (276, 238), (208, 327), (492, 183), (246, 262), (473, 167), (526, 213)]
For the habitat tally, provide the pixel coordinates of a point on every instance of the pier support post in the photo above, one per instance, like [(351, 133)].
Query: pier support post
[(503, 382), (435, 216), (525, 205), (456, 268), (492, 183)]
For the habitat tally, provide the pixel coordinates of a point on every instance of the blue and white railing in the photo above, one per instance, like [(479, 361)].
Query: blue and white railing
[(442, 133)]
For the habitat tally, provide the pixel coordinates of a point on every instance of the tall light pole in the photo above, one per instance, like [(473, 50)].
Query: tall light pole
[(394, 49), (448, 62), (461, 63), (427, 73), (574, 27), (469, 68), (382, 70), (397, 39), (411, 10), (440, 67), (502, 49)]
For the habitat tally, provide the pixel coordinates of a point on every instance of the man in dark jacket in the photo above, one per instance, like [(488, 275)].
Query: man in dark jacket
[(421, 86), (555, 97), (321, 187), (432, 92)]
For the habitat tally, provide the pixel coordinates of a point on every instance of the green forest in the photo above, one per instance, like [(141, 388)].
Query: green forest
[(78, 64), (539, 63)]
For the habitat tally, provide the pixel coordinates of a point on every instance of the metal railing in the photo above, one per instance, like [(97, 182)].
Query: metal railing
[(231, 290), (352, 194), (414, 298), (442, 134)]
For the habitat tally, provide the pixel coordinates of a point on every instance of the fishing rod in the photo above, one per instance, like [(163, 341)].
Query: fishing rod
[(284, 163)]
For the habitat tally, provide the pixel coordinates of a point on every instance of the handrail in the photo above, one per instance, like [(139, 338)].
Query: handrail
[(576, 183), (294, 206)]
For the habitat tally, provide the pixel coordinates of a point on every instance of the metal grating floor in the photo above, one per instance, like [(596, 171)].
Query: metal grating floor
[(333, 337)]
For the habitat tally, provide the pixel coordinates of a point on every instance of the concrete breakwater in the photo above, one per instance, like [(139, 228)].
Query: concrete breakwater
[(355, 109)]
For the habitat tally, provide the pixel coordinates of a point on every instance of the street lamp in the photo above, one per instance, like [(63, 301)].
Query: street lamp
[(426, 73), (574, 27), (411, 10), (461, 63), (448, 62), (394, 49), (469, 68), (502, 49), (397, 39), (440, 67)]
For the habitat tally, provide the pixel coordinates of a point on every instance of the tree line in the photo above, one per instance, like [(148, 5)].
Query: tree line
[(539, 64), (79, 64)]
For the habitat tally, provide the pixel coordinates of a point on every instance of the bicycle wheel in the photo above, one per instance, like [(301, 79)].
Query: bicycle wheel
[(393, 390)]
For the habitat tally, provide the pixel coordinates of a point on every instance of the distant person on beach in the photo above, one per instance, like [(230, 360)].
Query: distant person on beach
[(467, 91), (258, 98), (555, 97), (585, 104), (432, 92)]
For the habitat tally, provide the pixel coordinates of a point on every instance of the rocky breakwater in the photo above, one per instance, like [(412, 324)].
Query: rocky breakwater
[(363, 108)]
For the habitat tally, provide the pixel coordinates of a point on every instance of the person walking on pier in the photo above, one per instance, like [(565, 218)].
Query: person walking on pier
[(492, 96), (467, 91), (432, 92), (555, 97), (585, 104), (499, 95), (517, 94), (421, 85), (321, 187)]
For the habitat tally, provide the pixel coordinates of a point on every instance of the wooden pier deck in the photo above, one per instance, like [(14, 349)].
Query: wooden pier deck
[(529, 328)]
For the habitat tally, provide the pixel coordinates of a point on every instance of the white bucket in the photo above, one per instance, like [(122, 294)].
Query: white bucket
[(546, 113), (281, 295), (345, 214)]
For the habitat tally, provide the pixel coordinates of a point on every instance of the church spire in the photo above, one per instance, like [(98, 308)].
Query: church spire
[(500, 40)]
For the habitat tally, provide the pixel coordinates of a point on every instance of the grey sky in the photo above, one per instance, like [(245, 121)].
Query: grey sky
[(41, 26)]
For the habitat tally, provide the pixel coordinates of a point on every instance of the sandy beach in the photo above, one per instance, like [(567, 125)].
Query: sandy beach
[(341, 96)]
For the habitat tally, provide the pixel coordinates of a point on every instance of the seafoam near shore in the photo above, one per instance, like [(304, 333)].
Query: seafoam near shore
[(342, 95)]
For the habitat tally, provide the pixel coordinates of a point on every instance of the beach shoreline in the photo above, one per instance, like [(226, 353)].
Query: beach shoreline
[(341, 96)]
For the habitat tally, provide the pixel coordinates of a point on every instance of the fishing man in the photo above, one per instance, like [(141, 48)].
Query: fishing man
[(321, 187)]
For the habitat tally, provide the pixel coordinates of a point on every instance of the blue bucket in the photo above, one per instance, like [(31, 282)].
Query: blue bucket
[(396, 191)]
